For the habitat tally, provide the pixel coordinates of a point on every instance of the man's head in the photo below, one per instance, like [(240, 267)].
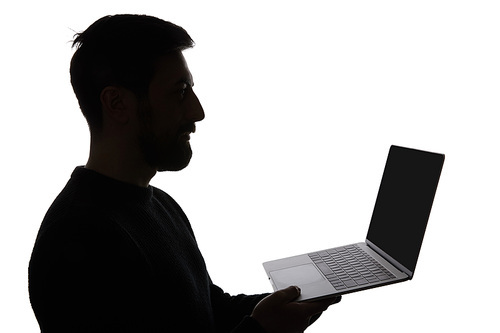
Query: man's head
[(139, 57)]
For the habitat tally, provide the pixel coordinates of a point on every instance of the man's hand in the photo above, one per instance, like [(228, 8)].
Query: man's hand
[(278, 313)]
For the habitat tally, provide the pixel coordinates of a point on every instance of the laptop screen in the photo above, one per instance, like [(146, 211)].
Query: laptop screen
[(404, 203)]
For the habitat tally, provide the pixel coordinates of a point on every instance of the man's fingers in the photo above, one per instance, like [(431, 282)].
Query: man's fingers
[(321, 305)]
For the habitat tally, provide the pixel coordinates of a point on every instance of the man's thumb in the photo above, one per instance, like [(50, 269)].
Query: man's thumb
[(290, 293)]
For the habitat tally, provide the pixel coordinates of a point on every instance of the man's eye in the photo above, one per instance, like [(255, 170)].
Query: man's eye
[(184, 91)]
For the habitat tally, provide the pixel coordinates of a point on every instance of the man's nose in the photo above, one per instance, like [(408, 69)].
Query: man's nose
[(197, 113)]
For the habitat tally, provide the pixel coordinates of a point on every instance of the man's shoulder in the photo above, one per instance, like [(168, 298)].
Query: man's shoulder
[(71, 208), (77, 231), (69, 222), (75, 214)]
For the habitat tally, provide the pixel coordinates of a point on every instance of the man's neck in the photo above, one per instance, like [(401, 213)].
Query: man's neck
[(120, 174), (120, 164)]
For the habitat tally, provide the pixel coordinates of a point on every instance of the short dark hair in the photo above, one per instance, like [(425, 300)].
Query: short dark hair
[(120, 50)]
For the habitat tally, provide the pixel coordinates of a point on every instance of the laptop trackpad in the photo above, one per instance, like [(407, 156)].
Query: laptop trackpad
[(296, 276)]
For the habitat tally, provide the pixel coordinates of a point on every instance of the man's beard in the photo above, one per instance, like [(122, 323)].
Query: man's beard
[(164, 153), (165, 156)]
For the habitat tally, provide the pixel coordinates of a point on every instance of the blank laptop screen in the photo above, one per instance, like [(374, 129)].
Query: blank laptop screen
[(404, 203)]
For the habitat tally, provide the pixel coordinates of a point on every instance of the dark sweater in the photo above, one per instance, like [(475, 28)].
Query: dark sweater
[(113, 257)]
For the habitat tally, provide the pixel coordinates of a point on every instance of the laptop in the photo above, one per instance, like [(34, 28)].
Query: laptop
[(395, 234)]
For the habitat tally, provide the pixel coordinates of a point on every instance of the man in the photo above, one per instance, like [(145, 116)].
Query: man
[(113, 253)]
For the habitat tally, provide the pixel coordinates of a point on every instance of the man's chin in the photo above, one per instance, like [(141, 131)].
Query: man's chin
[(172, 167), (177, 162)]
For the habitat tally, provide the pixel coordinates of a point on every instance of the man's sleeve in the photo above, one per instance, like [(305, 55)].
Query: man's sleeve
[(232, 313)]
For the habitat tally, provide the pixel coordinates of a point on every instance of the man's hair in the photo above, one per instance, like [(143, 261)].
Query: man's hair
[(120, 50)]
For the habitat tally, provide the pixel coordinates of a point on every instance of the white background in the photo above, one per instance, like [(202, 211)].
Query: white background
[(302, 101)]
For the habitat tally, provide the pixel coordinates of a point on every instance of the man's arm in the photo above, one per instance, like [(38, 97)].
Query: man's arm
[(234, 311), (88, 280)]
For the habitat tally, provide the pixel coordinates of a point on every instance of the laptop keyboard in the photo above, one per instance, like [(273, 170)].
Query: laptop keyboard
[(349, 266)]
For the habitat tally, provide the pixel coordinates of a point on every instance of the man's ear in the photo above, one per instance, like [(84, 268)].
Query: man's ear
[(117, 104)]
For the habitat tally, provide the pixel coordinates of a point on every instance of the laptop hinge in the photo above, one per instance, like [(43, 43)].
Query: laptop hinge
[(389, 258)]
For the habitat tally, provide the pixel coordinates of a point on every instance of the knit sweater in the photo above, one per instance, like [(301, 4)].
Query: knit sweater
[(114, 257)]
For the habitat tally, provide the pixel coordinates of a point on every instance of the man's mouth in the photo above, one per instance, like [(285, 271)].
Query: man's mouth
[(186, 131)]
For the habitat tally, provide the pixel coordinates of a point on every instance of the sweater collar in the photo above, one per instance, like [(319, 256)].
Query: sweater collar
[(110, 190)]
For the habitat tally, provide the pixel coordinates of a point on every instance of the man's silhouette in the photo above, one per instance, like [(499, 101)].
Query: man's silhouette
[(113, 253)]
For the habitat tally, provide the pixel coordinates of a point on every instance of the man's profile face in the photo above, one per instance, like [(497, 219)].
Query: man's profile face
[(167, 117)]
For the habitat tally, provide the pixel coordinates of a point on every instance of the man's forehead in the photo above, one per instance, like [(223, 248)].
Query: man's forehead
[(172, 68)]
